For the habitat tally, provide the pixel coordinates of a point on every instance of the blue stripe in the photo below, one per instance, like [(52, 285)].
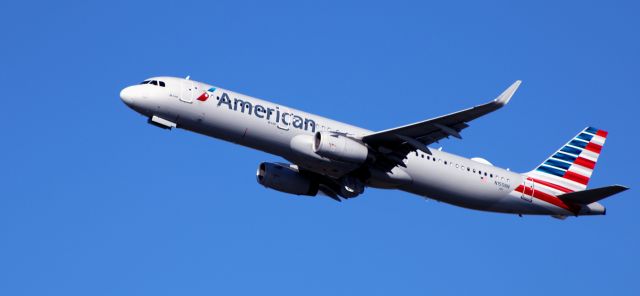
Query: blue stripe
[(550, 170), (566, 157), (578, 143), (586, 137), (571, 150), (592, 130), (558, 164)]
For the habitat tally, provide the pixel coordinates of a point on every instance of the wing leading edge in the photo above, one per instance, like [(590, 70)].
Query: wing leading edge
[(416, 136)]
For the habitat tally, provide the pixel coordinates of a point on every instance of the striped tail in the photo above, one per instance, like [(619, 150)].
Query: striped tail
[(570, 168)]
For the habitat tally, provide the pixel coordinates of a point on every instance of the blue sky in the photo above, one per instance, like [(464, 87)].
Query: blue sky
[(94, 201)]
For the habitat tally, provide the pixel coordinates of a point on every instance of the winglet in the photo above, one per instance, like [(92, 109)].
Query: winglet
[(506, 95)]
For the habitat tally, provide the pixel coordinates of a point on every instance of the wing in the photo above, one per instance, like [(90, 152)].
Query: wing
[(397, 142)]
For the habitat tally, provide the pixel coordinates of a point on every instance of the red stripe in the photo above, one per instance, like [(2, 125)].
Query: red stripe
[(593, 147), (576, 177), (550, 199), (528, 191), (203, 97), (554, 186), (602, 133), (585, 162)]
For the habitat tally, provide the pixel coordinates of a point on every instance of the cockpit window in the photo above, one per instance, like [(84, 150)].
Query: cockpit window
[(154, 82)]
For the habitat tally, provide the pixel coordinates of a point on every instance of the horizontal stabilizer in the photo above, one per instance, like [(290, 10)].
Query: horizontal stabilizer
[(586, 197)]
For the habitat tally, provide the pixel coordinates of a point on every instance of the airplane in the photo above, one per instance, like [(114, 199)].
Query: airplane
[(339, 160)]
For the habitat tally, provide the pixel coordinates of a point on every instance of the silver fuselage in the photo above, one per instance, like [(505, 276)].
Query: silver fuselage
[(275, 128)]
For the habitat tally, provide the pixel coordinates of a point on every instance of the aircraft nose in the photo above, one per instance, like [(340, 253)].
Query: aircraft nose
[(127, 95)]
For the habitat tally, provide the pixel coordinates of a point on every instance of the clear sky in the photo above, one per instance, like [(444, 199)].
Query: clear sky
[(94, 201)]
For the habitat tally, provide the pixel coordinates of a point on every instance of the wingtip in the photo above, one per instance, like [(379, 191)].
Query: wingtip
[(506, 95), (622, 187)]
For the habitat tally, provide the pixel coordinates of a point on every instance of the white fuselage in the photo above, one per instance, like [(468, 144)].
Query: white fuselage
[(281, 130)]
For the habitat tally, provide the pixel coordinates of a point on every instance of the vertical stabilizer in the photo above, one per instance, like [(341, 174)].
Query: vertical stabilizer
[(570, 168)]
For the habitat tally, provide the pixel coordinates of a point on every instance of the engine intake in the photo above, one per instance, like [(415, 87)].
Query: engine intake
[(285, 178), (340, 148)]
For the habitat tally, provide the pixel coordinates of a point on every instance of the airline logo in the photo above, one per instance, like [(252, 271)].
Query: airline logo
[(567, 170), (205, 95), (266, 112), (259, 111), (571, 167)]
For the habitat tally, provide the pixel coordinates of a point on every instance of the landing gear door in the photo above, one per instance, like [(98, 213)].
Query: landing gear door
[(186, 91)]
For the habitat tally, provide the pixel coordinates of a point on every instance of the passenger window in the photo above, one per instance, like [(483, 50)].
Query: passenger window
[(480, 172), (162, 83), (154, 82), (468, 169), (422, 155), (485, 174), (491, 175), (428, 157), (474, 171), (445, 162)]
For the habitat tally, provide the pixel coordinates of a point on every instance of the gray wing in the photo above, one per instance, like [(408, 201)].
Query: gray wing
[(397, 142)]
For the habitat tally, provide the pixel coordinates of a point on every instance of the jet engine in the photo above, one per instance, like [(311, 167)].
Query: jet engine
[(285, 178), (340, 148)]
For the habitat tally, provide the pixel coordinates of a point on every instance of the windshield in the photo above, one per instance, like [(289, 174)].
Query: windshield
[(154, 82)]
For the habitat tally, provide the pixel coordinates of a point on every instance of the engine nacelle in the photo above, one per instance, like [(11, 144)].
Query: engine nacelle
[(340, 148), (285, 178)]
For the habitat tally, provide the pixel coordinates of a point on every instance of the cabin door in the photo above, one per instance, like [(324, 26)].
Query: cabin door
[(187, 91)]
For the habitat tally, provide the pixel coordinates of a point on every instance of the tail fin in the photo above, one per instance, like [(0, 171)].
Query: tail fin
[(569, 169)]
